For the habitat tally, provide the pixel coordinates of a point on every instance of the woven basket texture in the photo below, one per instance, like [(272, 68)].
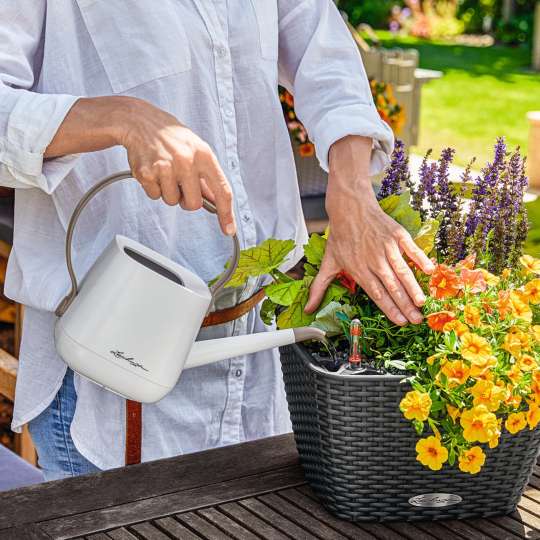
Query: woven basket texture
[(358, 452)]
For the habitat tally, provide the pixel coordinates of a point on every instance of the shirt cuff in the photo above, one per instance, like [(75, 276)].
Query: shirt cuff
[(360, 119), (32, 124)]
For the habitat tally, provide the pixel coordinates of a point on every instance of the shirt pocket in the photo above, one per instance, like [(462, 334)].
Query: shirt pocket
[(137, 41), (266, 12)]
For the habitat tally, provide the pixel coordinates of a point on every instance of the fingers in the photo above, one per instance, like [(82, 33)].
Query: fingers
[(322, 280), (190, 191), (223, 195), (377, 291), (170, 192), (404, 275), (408, 245)]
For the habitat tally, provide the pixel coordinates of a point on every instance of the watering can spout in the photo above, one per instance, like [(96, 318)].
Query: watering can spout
[(213, 350)]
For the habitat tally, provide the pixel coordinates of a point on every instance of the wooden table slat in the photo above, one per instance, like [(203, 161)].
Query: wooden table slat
[(300, 517), (226, 524), (251, 521), (144, 481), (297, 497), (173, 503), (121, 534), (148, 531), (408, 530), (494, 530), (97, 536), (467, 529), (202, 526), (270, 516), (515, 526), (438, 530), (175, 529)]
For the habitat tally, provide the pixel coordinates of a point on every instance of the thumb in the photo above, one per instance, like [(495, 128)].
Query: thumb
[(318, 287)]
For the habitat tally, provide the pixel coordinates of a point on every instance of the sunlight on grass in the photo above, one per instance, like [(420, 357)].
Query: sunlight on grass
[(485, 92)]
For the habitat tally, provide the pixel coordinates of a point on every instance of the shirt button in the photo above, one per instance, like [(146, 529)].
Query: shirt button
[(221, 51), (229, 112), (233, 164), (238, 372), (246, 218)]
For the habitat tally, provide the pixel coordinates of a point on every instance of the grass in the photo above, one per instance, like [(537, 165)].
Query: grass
[(485, 92)]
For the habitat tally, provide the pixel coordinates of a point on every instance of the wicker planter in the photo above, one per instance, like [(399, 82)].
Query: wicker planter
[(358, 452)]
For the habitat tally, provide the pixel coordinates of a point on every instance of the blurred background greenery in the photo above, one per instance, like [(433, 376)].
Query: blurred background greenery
[(483, 47)]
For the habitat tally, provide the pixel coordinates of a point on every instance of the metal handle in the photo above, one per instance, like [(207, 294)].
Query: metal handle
[(66, 302)]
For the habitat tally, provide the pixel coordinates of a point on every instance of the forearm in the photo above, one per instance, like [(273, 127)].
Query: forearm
[(348, 181), (92, 124)]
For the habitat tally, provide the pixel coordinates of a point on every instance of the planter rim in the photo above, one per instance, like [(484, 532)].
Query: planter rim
[(306, 359)]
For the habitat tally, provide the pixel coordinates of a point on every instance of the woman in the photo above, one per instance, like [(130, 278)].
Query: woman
[(184, 93)]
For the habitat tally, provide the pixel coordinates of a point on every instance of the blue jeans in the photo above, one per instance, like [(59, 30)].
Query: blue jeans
[(57, 455)]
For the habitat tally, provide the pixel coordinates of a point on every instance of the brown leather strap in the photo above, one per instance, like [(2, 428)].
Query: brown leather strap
[(134, 408), (133, 432)]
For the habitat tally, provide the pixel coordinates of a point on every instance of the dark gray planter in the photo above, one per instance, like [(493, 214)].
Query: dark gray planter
[(358, 452)]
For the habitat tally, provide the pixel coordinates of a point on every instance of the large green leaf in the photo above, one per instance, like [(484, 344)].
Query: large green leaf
[(327, 318), (295, 316), (260, 260), (399, 208), (425, 239), (314, 249), (284, 293)]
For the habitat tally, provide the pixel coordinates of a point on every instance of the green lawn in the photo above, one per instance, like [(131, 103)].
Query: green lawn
[(485, 92)]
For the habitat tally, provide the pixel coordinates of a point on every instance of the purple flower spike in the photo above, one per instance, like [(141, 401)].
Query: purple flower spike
[(397, 175)]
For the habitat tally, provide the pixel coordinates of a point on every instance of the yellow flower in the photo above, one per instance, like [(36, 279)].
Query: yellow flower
[(415, 405), (472, 460), (491, 280), (472, 316), (431, 453), (515, 374), (453, 412), (515, 422), (478, 424), (532, 291), (457, 326), (530, 264), (515, 342), (512, 400), (506, 273), (488, 394), (494, 441), (535, 331), (527, 362), (533, 415), (520, 308), (457, 372), (481, 366), (474, 347)]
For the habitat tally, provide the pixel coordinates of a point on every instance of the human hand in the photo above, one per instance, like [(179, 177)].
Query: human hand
[(367, 243)]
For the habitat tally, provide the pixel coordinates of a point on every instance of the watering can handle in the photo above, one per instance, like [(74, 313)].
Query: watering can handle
[(66, 302)]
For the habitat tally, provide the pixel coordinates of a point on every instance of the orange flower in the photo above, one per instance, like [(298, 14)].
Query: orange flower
[(347, 281), (472, 316), (457, 372), (515, 374), (515, 342), (444, 282), (533, 415), (527, 362), (519, 306), (468, 262), (453, 412), (474, 280), (306, 150), (491, 280), (481, 367), (472, 460), (488, 394), (535, 330), (437, 321), (532, 291), (456, 326), (503, 303)]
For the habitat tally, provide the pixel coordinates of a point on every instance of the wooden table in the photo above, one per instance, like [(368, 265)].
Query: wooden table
[(248, 491)]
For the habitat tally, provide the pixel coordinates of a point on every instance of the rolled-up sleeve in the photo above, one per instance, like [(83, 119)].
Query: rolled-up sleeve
[(321, 66), (28, 120)]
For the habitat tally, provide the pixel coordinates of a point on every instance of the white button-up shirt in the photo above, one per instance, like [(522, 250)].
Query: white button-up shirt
[(215, 65)]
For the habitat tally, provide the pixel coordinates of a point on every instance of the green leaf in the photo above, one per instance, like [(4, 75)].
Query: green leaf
[(284, 293), (295, 316), (399, 208), (310, 270), (268, 311), (334, 292), (451, 457), (328, 319), (397, 364), (418, 426), (425, 238), (314, 249), (260, 260)]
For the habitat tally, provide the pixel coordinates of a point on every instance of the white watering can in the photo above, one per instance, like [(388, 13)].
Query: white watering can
[(131, 325)]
